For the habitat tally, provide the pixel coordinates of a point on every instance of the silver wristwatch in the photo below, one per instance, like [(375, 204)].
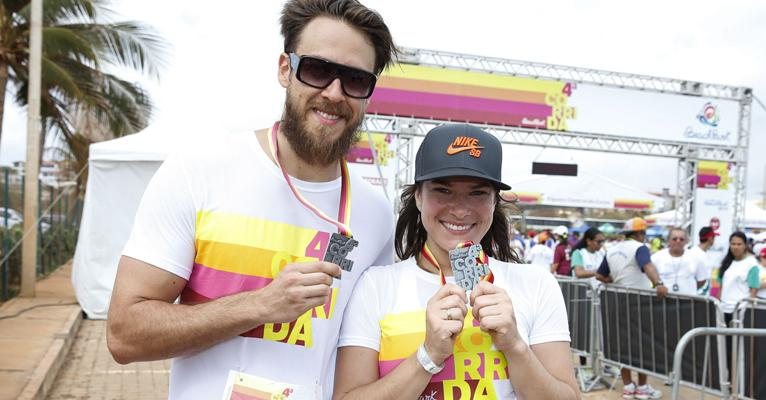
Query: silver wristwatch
[(426, 362)]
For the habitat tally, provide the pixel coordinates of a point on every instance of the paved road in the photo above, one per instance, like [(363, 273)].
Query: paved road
[(91, 373)]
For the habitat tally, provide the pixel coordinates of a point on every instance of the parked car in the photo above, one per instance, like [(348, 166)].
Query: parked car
[(48, 220), (10, 215)]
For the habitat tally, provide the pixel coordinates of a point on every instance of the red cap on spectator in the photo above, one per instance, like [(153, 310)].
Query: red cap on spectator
[(762, 253), (707, 232)]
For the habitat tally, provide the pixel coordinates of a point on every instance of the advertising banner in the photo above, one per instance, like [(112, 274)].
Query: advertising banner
[(714, 207), (466, 96), (361, 160), (654, 115)]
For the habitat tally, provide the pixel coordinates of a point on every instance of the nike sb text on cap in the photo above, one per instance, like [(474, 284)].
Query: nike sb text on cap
[(459, 150)]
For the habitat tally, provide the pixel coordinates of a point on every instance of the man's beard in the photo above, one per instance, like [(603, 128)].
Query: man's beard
[(315, 149)]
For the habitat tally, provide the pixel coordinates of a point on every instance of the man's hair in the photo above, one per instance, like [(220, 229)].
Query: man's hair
[(411, 235), (678, 229), (296, 14)]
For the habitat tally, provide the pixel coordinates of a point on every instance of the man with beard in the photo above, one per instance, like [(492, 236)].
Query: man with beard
[(262, 238)]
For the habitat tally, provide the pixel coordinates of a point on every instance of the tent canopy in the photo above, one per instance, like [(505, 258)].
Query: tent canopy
[(586, 190), (580, 229), (607, 228), (755, 217), (119, 171)]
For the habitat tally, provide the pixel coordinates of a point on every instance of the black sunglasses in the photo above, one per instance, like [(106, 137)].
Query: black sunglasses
[(319, 73)]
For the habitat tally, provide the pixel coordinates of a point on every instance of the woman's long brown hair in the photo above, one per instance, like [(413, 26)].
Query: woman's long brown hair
[(411, 235)]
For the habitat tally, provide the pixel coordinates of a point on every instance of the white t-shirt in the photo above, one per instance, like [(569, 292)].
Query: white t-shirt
[(582, 258), (624, 268), (704, 260), (734, 285), (680, 274), (386, 313), (223, 218), (541, 255), (760, 274)]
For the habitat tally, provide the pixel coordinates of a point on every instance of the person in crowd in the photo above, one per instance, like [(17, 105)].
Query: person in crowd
[(517, 243), (732, 277), (733, 274), (655, 244), (629, 264), (758, 245), (574, 238), (541, 255), (551, 240), (678, 268), (707, 240), (562, 254), (588, 255), (756, 277), (431, 327), (262, 237), (529, 241)]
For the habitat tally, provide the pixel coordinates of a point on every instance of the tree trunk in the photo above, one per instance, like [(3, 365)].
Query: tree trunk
[(3, 87)]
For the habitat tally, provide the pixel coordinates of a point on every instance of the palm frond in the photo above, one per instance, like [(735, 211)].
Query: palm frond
[(54, 75), (129, 44), (62, 42), (57, 11)]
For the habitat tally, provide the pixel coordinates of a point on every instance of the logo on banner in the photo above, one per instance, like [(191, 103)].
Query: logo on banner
[(708, 115), (715, 223)]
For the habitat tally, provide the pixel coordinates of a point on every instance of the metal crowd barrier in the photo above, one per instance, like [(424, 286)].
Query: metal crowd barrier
[(641, 331), (750, 365), (633, 328), (582, 303), (678, 355)]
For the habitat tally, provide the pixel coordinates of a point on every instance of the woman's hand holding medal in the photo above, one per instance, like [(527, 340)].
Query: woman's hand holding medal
[(445, 314), (493, 308)]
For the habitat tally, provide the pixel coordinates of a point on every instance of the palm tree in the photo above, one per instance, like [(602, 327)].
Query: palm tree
[(80, 43)]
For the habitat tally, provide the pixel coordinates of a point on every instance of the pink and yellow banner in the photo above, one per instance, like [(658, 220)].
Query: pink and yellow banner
[(455, 95), (713, 175)]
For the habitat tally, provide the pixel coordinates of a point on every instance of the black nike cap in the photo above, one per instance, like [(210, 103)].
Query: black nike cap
[(460, 150)]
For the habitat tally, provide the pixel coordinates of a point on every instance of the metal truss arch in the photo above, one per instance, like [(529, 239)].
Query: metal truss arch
[(688, 154), (570, 74)]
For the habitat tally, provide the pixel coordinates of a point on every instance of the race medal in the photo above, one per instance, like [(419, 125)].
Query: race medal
[(342, 242), (466, 267), (338, 249), (675, 287)]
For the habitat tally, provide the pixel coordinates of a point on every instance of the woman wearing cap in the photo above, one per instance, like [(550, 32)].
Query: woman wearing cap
[(411, 330)]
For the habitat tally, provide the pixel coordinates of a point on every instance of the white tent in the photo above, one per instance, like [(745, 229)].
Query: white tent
[(118, 172), (755, 217), (586, 190)]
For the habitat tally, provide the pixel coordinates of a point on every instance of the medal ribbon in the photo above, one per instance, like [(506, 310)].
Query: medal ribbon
[(344, 206), (426, 253)]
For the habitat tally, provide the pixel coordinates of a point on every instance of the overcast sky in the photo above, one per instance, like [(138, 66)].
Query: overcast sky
[(221, 73)]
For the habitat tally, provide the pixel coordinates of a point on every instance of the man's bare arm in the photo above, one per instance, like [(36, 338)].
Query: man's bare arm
[(144, 324)]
